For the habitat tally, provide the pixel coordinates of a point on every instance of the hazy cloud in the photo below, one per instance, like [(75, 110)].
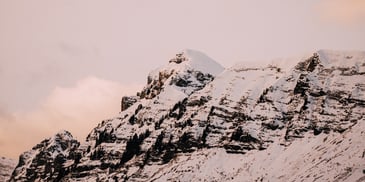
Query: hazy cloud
[(6, 115), (77, 109), (71, 50), (342, 11)]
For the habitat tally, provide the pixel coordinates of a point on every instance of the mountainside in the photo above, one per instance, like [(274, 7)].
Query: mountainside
[(194, 120), (6, 167)]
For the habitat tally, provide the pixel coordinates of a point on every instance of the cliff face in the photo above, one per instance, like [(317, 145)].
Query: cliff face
[(195, 120)]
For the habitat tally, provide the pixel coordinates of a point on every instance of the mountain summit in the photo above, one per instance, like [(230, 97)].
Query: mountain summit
[(47, 160), (188, 71), (196, 60), (196, 121)]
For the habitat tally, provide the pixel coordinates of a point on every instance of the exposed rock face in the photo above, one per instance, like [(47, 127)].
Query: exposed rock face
[(128, 101), (6, 167), (180, 57), (47, 160), (194, 120)]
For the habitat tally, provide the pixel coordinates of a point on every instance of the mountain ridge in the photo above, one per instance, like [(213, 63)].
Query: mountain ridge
[(189, 110)]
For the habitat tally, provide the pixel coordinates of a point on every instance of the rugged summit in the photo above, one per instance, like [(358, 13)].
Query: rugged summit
[(195, 120), (187, 72), (48, 160)]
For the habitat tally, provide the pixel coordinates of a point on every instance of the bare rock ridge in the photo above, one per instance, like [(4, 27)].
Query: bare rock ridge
[(195, 120)]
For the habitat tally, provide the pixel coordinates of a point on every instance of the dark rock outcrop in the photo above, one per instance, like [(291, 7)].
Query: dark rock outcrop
[(48, 161), (128, 101)]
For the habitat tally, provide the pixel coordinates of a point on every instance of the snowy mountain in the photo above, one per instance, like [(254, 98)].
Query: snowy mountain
[(293, 120), (6, 167)]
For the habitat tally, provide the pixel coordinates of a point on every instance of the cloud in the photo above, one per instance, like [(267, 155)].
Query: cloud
[(342, 11), (77, 109)]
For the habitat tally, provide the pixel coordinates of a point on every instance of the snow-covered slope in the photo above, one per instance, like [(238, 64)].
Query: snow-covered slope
[(294, 120), (6, 167), (326, 157)]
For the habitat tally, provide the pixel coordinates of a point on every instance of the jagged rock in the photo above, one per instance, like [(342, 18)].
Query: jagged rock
[(180, 57), (48, 161), (128, 101)]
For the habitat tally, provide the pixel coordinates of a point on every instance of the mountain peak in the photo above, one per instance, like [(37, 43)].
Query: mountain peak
[(341, 58), (64, 135), (35, 163), (188, 71), (196, 60)]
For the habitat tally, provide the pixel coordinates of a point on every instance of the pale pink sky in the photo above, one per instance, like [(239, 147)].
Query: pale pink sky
[(66, 64)]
